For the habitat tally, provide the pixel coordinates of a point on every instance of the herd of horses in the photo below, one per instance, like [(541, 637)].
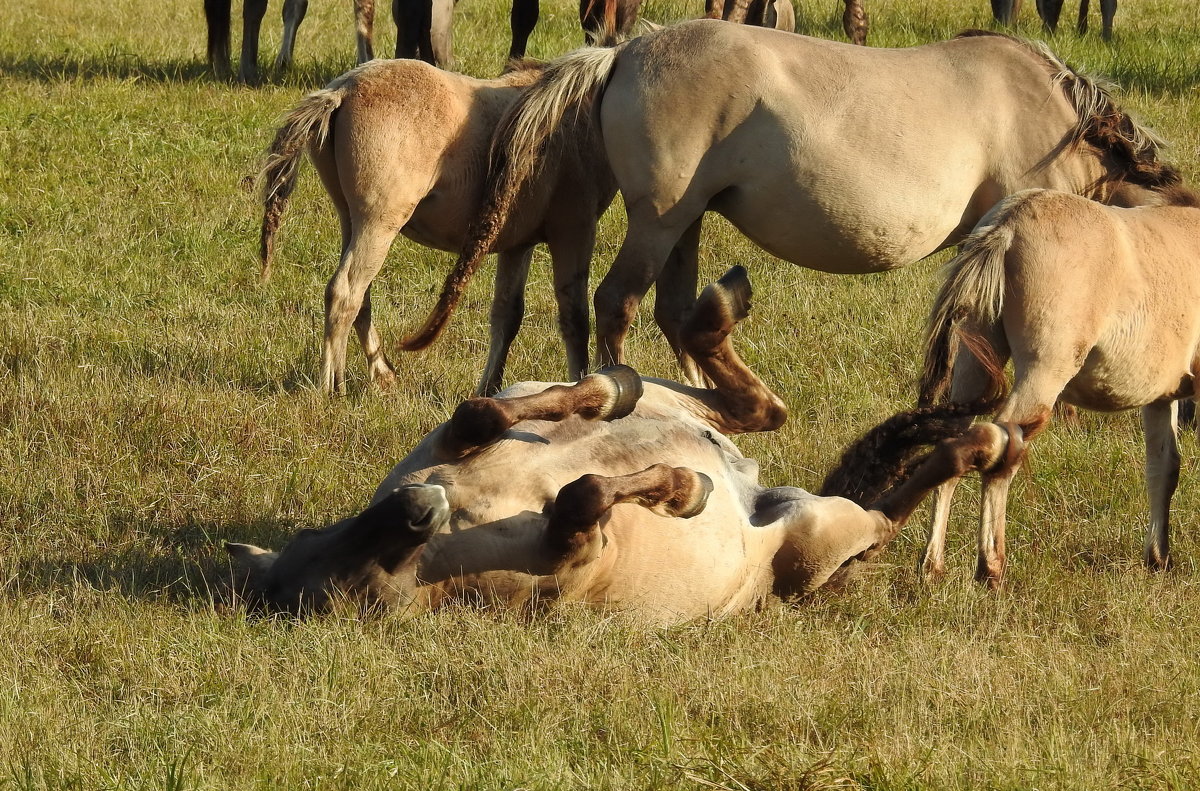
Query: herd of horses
[(1076, 258)]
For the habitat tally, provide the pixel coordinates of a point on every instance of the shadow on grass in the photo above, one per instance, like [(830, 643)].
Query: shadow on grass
[(128, 66), (184, 565)]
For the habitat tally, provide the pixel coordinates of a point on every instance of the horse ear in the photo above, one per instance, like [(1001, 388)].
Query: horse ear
[(254, 561)]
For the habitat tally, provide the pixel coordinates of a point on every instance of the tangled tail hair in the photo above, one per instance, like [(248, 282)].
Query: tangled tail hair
[(309, 123), (886, 456), (527, 141)]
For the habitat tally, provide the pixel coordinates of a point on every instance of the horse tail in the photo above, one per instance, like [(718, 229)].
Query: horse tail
[(308, 124), (886, 456), (554, 115), (972, 292)]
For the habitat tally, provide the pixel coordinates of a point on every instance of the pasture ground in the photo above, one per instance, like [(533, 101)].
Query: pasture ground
[(154, 402)]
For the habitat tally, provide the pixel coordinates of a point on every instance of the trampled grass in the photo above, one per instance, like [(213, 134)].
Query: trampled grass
[(154, 402)]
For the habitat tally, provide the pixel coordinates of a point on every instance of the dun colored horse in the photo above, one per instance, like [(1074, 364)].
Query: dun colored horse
[(839, 158), (1096, 305), (402, 147)]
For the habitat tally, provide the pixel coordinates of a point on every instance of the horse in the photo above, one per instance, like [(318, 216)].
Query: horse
[(839, 158), (217, 18), (401, 146), (1096, 305), (1006, 11), (777, 14), (616, 491)]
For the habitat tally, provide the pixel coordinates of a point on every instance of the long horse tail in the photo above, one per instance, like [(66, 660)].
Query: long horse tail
[(972, 292), (554, 115), (886, 456), (309, 123)]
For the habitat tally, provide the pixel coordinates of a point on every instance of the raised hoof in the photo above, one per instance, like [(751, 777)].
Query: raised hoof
[(627, 386), (737, 292), (692, 494)]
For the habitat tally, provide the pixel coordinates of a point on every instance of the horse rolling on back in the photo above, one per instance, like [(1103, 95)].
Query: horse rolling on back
[(839, 158), (1096, 305), (402, 147), (616, 492)]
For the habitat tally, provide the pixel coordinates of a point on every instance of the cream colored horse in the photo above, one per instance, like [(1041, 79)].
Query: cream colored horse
[(839, 158), (402, 147), (1096, 305), (616, 492)]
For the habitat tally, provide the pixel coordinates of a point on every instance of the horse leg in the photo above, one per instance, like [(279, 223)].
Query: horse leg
[(1108, 10), (1050, 11), (573, 533), (638, 264), (379, 366), (608, 394), (970, 382), (407, 16), (522, 20), (363, 255), (854, 22), (364, 29), (1005, 11), (571, 252), (675, 294), (217, 20), (293, 15), (738, 402), (253, 12), (441, 42), (1162, 476), (508, 308)]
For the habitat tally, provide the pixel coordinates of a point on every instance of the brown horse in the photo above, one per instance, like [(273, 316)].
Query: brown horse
[(402, 147), (617, 492), (1093, 304), (839, 158)]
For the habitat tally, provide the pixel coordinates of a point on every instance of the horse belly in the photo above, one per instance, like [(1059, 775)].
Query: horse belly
[(1129, 372)]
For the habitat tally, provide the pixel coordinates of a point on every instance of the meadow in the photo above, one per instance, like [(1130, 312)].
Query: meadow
[(155, 401)]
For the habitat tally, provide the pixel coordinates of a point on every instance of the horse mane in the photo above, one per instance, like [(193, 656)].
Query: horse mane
[(1131, 152)]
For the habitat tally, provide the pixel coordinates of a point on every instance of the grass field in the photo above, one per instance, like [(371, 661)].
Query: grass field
[(155, 402)]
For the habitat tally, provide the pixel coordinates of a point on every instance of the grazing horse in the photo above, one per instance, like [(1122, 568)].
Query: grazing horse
[(1005, 12), (217, 17), (615, 491), (402, 147), (839, 158), (1093, 304)]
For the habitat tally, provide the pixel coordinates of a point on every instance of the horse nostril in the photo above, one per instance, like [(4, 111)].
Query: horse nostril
[(425, 520)]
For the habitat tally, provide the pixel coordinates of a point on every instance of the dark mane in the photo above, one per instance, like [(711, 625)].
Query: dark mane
[(1131, 153)]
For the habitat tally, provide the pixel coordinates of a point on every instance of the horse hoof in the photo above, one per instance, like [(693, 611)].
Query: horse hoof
[(627, 384)]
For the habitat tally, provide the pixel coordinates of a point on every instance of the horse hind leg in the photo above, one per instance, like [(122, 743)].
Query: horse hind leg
[(364, 29), (571, 253), (609, 394), (378, 365), (1162, 477), (508, 308), (217, 17), (253, 12), (739, 402), (522, 20)]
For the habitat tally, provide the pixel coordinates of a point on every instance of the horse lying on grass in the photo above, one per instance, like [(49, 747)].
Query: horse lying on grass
[(839, 158), (613, 491), (1095, 305), (402, 146)]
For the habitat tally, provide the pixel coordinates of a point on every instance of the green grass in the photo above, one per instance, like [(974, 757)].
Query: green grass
[(154, 402)]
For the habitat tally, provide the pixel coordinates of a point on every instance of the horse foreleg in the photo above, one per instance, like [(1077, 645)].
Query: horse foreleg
[(364, 29), (293, 15), (407, 16), (1162, 476), (508, 309), (739, 401), (571, 253), (1050, 11), (253, 12), (674, 296), (379, 366), (1108, 10), (523, 19), (217, 20), (573, 533), (441, 41), (1006, 12), (362, 257)]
